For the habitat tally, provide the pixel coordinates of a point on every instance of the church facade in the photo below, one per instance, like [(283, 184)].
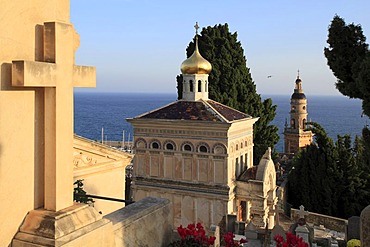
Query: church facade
[(295, 135), (194, 150)]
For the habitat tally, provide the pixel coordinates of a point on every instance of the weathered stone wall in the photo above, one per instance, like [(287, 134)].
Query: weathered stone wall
[(330, 222), (144, 223)]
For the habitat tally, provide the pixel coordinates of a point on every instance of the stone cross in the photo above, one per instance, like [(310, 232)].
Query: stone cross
[(277, 211), (57, 75), (302, 213)]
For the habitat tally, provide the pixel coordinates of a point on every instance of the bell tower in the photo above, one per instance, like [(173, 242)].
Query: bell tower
[(295, 135)]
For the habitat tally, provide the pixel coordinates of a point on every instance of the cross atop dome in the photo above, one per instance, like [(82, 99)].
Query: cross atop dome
[(196, 28)]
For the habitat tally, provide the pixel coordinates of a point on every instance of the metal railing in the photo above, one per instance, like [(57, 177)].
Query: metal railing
[(127, 202)]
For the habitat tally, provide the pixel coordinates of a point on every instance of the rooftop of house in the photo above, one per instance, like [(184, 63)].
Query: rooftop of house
[(203, 110)]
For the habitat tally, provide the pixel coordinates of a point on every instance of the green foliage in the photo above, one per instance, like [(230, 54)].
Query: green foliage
[(331, 178), (230, 83), (349, 58), (79, 193)]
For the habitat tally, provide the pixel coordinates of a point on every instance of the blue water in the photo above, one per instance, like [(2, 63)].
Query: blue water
[(94, 111)]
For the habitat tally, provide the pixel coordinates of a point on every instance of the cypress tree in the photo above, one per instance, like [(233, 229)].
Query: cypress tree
[(349, 58), (330, 178), (230, 83)]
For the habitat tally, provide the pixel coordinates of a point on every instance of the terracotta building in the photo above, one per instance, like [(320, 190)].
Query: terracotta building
[(193, 151), (295, 135)]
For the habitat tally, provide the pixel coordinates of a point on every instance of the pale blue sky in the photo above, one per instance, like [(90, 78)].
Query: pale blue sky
[(139, 45)]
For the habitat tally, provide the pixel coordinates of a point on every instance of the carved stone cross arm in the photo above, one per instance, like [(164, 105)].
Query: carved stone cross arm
[(41, 74)]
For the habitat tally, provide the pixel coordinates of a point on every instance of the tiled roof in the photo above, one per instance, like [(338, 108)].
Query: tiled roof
[(184, 110), (250, 173), (227, 112), (196, 110)]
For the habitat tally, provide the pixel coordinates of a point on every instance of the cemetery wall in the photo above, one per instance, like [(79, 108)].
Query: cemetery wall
[(333, 223), (143, 223)]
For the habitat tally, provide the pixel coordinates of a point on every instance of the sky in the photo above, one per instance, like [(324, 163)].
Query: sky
[(139, 45)]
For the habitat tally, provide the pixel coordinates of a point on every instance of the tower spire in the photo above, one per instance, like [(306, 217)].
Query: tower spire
[(295, 135)]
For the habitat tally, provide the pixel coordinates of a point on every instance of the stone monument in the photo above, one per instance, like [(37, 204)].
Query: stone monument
[(301, 230), (38, 75), (365, 227), (353, 228), (277, 229)]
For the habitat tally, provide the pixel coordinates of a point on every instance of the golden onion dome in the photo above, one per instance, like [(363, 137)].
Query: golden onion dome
[(196, 64)]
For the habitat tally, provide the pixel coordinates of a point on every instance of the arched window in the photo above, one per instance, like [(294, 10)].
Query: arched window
[(169, 146), (219, 148), (304, 123), (203, 149), (155, 145), (191, 86), (206, 86), (187, 147), (140, 143), (292, 123), (199, 86)]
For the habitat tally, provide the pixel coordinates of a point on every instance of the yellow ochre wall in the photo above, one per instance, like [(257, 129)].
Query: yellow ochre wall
[(20, 128)]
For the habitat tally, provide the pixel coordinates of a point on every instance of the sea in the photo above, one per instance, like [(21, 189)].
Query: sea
[(103, 115)]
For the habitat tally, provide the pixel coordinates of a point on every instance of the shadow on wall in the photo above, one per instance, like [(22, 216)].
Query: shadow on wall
[(6, 76)]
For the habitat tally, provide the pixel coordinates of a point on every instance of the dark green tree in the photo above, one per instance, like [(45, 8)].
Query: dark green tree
[(79, 194), (330, 178), (312, 181), (349, 59), (230, 83)]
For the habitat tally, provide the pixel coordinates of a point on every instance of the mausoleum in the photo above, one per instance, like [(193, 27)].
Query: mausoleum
[(193, 152)]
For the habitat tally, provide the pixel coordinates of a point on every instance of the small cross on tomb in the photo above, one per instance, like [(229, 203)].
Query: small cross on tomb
[(56, 75), (302, 213)]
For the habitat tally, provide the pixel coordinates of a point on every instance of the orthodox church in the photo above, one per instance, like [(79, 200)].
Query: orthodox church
[(198, 153), (295, 136)]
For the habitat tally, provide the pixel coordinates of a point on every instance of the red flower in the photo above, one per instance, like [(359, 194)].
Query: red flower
[(243, 240), (211, 240), (195, 234), (181, 231), (291, 241)]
